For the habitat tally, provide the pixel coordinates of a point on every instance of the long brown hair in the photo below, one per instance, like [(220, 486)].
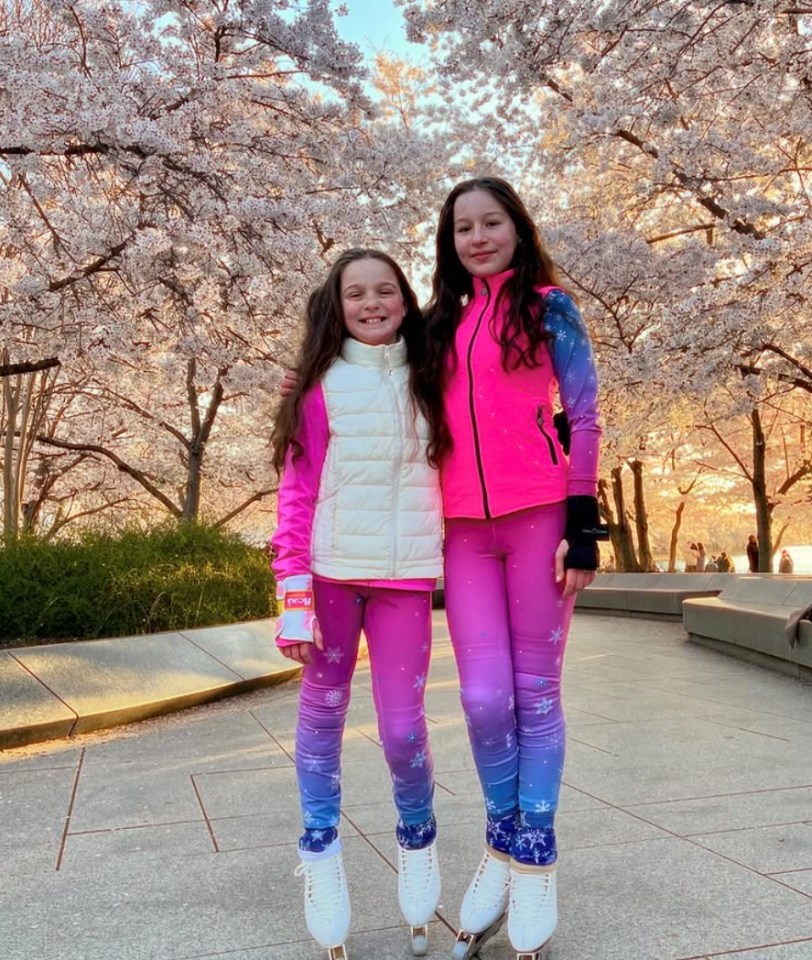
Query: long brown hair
[(325, 333)]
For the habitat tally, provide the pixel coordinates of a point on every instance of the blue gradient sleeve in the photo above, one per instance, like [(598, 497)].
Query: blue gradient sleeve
[(574, 367)]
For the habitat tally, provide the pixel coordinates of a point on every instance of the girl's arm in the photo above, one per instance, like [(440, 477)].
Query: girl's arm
[(577, 556), (299, 488), (574, 366)]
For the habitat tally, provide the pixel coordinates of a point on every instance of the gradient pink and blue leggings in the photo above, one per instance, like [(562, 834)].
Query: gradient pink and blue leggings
[(508, 623), (397, 625)]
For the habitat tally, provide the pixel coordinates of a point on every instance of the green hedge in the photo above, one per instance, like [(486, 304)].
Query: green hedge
[(172, 578)]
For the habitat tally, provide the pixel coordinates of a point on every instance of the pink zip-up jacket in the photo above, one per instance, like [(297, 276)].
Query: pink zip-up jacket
[(506, 455)]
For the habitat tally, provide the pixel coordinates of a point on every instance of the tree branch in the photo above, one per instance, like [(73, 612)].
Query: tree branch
[(32, 366), (124, 467), (259, 495)]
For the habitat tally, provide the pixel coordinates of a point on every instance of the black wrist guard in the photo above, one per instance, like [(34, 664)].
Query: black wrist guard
[(582, 533)]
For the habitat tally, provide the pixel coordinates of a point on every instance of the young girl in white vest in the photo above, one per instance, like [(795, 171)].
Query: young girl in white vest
[(358, 547)]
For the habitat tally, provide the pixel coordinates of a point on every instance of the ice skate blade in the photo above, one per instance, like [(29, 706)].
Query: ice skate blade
[(336, 953), (420, 940), (469, 944), (542, 953)]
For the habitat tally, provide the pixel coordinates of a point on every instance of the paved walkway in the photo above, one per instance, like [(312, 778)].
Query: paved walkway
[(685, 824)]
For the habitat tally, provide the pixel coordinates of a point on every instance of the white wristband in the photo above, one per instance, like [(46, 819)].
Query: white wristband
[(296, 620)]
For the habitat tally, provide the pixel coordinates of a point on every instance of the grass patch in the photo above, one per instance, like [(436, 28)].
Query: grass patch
[(171, 578)]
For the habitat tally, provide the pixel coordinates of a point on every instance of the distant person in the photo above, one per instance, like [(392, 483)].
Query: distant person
[(691, 558), (752, 553), (785, 565), (701, 557), (710, 566), (723, 563)]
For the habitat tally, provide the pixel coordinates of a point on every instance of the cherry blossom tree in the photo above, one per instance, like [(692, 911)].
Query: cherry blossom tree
[(176, 174)]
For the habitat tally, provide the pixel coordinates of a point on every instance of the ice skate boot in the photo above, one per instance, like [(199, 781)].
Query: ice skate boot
[(418, 892), (484, 905), (533, 911), (327, 903)]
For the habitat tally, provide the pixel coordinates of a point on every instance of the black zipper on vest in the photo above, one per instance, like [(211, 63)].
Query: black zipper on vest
[(547, 437), (477, 447)]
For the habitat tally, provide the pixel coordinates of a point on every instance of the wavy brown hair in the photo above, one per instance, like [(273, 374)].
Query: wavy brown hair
[(325, 333)]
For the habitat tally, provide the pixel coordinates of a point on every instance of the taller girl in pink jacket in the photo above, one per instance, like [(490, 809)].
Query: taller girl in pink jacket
[(521, 523)]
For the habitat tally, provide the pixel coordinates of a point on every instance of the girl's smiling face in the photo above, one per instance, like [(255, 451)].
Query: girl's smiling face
[(371, 301), (485, 237)]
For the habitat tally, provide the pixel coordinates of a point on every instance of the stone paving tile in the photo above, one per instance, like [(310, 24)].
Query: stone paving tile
[(747, 687), (131, 794), (249, 792), (271, 829), (801, 950), (798, 879), (679, 757), (162, 842), (387, 942), (231, 740), (788, 729), (33, 805), (765, 849), (664, 899), (698, 815)]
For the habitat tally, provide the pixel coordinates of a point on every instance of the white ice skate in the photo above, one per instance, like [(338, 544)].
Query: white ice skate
[(533, 911), (327, 903), (484, 905), (418, 892)]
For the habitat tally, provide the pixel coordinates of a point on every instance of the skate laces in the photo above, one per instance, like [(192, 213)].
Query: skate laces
[(324, 883), (491, 881), (422, 865), (528, 893)]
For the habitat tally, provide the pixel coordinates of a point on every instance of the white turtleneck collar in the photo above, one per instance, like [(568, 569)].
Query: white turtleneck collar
[(385, 356)]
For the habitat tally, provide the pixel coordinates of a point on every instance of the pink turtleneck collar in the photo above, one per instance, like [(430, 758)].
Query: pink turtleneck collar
[(490, 286)]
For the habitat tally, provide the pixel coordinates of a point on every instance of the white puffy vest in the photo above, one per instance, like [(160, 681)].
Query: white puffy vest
[(378, 513)]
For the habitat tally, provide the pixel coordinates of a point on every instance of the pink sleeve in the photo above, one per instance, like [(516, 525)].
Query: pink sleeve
[(299, 488)]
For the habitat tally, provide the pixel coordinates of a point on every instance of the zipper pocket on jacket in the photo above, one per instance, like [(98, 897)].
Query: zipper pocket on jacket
[(547, 437)]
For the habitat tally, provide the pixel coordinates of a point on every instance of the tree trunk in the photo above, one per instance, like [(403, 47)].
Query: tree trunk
[(627, 559), (26, 399), (201, 431), (11, 495), (607, 514), (672, 549), (763, 506), (645, 559), (194, 476)]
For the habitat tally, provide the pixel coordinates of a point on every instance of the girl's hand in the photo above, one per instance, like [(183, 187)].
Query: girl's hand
[(289, 380), (303, 652), (573, 580)]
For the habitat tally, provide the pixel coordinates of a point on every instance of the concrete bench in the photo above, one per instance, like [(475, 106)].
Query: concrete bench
[(58, 690), (748, 620), (651, 595)]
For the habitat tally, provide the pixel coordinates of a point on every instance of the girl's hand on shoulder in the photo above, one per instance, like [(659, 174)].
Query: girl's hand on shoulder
[(288, 383), (573, 580), (303, 652)]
